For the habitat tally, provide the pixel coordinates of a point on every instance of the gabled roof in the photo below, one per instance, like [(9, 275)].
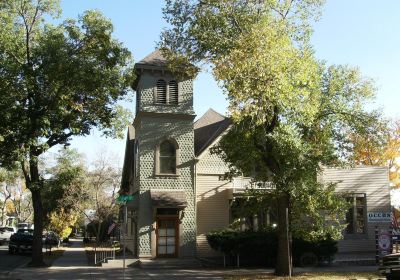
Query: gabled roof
[(207, 129), (153, 60)]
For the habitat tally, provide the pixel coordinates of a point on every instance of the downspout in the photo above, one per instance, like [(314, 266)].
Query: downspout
[(195, 161)]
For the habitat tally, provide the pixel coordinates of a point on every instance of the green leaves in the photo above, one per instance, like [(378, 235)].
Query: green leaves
[(57, 81), (291, 113)]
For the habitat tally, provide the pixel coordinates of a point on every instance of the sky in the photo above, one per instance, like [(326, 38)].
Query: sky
[(361, 33)]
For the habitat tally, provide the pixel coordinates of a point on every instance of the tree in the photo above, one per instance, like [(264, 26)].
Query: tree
[(16, 200), (55, 82), (65, 191), (291, 113), (62, 222), (381, 147), (104, 182)]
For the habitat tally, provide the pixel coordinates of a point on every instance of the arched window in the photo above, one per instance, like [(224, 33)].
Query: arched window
[(161, 92), (167, 157), (173, 92)]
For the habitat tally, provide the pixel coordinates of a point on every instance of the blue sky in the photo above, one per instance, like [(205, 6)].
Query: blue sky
[(362, 33)]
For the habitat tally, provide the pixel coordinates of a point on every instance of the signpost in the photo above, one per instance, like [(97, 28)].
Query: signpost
[(122, 200)]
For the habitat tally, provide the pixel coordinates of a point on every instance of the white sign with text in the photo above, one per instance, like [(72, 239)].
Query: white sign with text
[(379, 216)]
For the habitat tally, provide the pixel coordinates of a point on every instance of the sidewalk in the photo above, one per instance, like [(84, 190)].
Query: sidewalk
[(73, 265)]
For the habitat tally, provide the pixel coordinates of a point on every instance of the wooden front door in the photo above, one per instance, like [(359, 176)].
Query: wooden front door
[(167, 237)]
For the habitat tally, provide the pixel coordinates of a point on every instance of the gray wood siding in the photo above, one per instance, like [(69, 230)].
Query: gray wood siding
[(374, 182), (212, 200)]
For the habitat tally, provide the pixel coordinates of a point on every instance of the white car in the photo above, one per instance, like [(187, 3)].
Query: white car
[(6, 232)]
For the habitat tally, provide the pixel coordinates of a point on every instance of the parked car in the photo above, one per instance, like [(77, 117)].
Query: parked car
[(5, 233), (25, 226), (21, 241), (51, 238)]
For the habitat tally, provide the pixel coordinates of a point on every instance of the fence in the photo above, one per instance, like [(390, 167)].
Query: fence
[(105, 251)]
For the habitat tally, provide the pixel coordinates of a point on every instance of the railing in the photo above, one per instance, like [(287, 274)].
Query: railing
[(240, 185), (105, 251)]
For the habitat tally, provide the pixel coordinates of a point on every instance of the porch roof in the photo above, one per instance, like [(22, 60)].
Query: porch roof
[(168, 199)]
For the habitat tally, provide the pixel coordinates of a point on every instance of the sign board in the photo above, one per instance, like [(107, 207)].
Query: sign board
[(379, 217), (384, 242), (122, 199)]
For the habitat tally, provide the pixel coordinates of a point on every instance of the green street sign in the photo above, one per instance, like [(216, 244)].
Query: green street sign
[(124, 199)]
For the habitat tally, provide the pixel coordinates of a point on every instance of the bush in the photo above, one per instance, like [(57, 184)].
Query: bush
[(260, 247)]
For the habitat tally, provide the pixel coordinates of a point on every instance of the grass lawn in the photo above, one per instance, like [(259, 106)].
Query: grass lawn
[(314, 276)]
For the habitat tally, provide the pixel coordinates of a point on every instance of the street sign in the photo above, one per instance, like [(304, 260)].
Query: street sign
[(122, 199)]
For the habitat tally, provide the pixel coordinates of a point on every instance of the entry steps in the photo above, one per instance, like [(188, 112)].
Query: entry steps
[(129, 262), (153, 263), (170, 263)]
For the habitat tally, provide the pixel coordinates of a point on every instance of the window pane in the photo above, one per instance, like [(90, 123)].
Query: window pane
[(360, 226), (162, 241), (162, 232), (360, 201), (167, 149), (349, 221), (171, 240), (168, 165), (162, 250), (171, 249), (171, 232)]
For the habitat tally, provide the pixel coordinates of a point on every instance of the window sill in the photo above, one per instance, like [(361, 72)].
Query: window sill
[(160, 175), (165, 104)]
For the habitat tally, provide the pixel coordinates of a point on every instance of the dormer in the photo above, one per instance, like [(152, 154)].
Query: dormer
[(159, 90)]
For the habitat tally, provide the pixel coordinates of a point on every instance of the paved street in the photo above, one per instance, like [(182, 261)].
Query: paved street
[(9, 262)]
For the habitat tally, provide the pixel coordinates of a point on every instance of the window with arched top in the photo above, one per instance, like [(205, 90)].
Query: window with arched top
[(161, 92), (173, 92), (167, 158)]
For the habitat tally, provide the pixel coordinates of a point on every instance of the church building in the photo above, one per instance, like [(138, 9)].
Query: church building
[(178, 185)]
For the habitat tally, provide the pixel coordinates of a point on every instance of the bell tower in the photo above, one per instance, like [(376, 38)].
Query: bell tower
[(164, 161)]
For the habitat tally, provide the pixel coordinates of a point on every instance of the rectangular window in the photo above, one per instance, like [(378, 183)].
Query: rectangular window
[(355, 217)]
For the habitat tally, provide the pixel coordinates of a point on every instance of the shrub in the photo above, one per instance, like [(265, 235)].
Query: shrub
[(260, 247)]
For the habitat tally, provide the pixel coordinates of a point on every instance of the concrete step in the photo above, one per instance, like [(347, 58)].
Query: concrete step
[(119, 263), (170, 263)]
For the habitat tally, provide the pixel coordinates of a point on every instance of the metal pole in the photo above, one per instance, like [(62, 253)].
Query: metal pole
[(123, 240)]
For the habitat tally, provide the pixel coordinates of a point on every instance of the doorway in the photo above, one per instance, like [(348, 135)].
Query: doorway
[(167, 237)]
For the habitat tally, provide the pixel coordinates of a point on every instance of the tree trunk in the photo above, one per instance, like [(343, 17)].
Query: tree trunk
[(284, 264), (35, 187)]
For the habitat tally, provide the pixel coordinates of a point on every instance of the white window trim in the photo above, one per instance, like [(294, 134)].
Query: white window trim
[(157, 159)]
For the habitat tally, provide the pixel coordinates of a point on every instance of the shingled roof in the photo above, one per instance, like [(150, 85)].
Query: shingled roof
[(153, 60), (207, 129)]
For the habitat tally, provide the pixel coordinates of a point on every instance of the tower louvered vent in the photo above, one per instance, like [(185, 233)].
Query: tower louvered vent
[(173, 92), (161, 92)]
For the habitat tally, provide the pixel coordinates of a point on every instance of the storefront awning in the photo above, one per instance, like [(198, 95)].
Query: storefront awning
[(168, 199)]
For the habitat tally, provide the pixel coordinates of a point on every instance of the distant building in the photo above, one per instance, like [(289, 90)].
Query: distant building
[(180, 193)]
